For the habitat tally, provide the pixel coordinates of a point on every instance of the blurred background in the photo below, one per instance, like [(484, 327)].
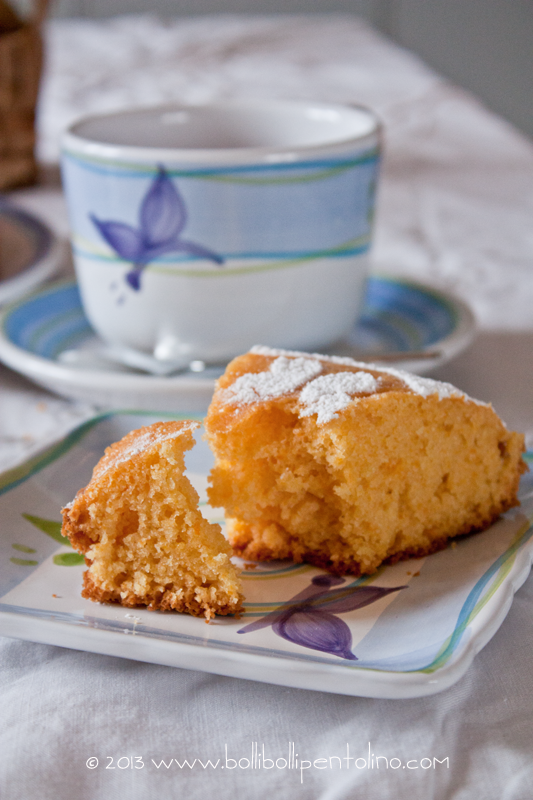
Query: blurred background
[(485, 46)]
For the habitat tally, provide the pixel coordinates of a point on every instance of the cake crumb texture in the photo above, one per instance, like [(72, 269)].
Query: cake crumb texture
[(354, 465), (145, 541)]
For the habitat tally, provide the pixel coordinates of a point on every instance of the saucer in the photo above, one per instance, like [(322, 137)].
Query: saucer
[(47, 338), (29, 252)]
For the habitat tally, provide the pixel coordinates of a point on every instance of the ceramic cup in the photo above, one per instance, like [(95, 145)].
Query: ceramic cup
[(199, 231)]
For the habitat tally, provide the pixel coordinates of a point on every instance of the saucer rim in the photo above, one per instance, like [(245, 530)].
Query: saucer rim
[(108, 389)]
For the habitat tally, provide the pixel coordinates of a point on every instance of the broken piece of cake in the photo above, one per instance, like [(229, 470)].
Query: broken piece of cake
[(145, 540), (346, 465)]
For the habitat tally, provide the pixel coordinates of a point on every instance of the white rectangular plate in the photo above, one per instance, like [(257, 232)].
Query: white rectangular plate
[(410, 630)]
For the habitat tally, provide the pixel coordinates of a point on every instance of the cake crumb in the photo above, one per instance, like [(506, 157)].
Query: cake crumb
[(145, 540)]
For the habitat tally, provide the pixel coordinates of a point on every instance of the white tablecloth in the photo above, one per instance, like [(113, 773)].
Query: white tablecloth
[(455, 211)]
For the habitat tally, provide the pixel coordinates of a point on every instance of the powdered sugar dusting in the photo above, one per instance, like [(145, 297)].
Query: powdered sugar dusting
[(421, 386), (329, 394), (324, 395), (427, 386), (143, 442), (283, 376), (262, 350)]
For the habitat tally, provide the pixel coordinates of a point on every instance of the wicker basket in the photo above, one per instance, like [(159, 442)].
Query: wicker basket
[(20, 72)]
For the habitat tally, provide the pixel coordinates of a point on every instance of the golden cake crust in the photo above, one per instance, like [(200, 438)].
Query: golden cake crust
[(222, 415)]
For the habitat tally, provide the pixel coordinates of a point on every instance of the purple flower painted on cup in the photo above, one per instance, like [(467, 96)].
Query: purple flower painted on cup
[(162, 218), (308, 619)]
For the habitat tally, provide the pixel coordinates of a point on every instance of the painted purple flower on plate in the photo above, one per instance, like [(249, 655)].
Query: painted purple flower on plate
[(308, 619), (162, 218)]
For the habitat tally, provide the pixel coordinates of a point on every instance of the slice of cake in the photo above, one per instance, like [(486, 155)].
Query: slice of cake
[(346, 465), (143, 536)]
